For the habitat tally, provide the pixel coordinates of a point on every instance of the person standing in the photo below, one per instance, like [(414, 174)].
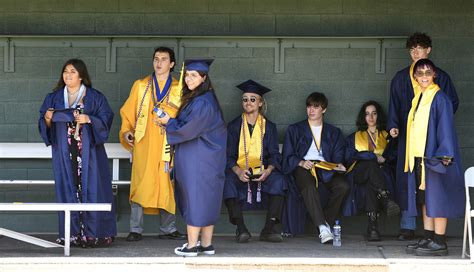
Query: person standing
[(401, 95), (198, 136), (432, 162), (75, 120), (151, 190)]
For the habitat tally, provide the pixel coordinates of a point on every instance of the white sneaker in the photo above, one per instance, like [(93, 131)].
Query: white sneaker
[(325, 234), (185, 251)]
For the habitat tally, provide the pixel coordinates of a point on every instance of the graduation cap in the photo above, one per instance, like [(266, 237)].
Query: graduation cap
[(201, 65), (251, 86)]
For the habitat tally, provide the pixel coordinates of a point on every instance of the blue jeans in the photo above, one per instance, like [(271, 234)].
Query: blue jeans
[(407, 222)]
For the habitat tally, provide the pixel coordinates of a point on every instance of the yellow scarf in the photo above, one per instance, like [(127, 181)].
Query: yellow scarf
[(417, 128), (250, 147), (414, 84)]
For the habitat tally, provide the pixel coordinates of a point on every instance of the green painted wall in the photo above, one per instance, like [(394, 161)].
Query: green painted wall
[(347, 76)]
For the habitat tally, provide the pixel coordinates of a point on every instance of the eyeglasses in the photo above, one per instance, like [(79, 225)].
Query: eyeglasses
[(251, 99), (427, 73)]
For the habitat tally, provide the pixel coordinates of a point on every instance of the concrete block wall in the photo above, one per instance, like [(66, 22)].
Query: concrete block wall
[(346, 76)]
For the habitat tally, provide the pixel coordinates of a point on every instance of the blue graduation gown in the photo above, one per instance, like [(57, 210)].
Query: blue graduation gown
[(199, 136), (445, 192), (401, 95), (96, 178), (356, 199), (298, 139), (275, 183)]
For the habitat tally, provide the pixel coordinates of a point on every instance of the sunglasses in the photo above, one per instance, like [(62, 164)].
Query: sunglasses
[(427, 73), (251, 99)]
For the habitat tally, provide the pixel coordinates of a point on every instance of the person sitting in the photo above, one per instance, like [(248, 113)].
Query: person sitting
[(313, 153), (369, 154), (253, 165)]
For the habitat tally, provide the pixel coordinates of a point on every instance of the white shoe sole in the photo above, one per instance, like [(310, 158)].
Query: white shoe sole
[(209, 252), (178, 252), (326, 240)]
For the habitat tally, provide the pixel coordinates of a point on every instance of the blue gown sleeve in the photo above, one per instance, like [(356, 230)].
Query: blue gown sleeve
[(445, 129), (394, 105), (45, 132), (390, 152), (101, 117), (290, 157), (274, 157), (195, 119), (233, 136)]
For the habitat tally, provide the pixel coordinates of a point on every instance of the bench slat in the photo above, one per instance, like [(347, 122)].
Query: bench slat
[(55, 206)]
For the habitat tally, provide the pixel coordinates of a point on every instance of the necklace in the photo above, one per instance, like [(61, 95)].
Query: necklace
[(74, 93)]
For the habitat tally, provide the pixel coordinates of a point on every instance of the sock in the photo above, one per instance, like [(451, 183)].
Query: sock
[(429, 234), (440, 238)]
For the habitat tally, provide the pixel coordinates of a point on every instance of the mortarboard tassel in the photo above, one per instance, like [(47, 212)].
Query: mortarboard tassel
[(259, 194), (249, 194)]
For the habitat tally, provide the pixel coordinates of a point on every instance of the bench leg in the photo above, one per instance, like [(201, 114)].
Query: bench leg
[(67, 232)]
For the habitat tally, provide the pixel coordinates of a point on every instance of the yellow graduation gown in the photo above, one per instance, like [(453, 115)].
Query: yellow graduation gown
[(150, 184)]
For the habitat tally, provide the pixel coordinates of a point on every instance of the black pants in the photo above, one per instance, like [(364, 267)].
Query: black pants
[(338, 190), (275, 206), (370, 174), (420, 194)]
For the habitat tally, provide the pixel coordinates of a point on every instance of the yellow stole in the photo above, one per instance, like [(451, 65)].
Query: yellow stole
[(141, 121), (251, 147), (361, 143), (417, 128), (144, 103)]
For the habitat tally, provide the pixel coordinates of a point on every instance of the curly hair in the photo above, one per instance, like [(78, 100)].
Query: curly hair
[(381, 119), (420, 39)]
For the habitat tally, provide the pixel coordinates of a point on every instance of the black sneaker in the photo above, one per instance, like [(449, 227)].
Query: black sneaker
[(432, 249), (176, 235), (133, 237), (411, 248), (209, 250), (185, 251)]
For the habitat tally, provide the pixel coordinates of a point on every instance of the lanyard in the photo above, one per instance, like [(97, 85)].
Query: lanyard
[(318, 145), (372, 141), (78, 98), (160, 94)]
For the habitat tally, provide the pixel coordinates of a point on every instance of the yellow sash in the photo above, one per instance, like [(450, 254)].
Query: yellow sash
[(361, 141), (417, 128), (142, 108), (250, 147)]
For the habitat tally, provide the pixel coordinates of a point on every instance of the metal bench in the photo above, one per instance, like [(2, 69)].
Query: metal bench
[(114, 151), (65, 207)]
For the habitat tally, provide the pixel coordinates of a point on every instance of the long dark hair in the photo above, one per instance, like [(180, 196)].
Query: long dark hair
[(381, 119), (189, 95), (81, 68)]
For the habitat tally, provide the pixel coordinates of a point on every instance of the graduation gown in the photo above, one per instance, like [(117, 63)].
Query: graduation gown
[(199, 137), (150, 184), (298, 140), (96, 178), (445, 192), (356, 199), (401, 95), (275, 183)]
